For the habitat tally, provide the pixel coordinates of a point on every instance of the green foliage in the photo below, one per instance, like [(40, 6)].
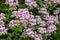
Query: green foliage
[(3, 7), (22, 6), (40, 2)]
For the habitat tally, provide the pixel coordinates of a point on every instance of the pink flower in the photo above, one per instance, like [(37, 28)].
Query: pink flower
[(56, 20), (26, 17), (31, 16), (24, 13), (24, 24), (43, 10), (11, 2), (16, 14), (38, 37), (50, 22), (42, 23), (56, 11), (34, 4), (51, 28), (29, 32), (3, 30), (31, 3), (42, 30), (1, 23), (38, 19), (32, 21), (49, 17), (46, 17), (13, 23), (2, 16)]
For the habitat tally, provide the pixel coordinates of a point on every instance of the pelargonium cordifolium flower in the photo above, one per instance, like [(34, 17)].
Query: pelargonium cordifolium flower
[(11, 2), (2, 16), (13, 23), (3, 30)]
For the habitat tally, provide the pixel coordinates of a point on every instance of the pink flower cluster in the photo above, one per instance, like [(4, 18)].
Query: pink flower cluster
[(31, 32), (3, 30), (51, 19), (26, 18), (50, 28)]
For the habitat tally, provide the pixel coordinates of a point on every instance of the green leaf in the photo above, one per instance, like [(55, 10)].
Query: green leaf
[(40, 2)]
